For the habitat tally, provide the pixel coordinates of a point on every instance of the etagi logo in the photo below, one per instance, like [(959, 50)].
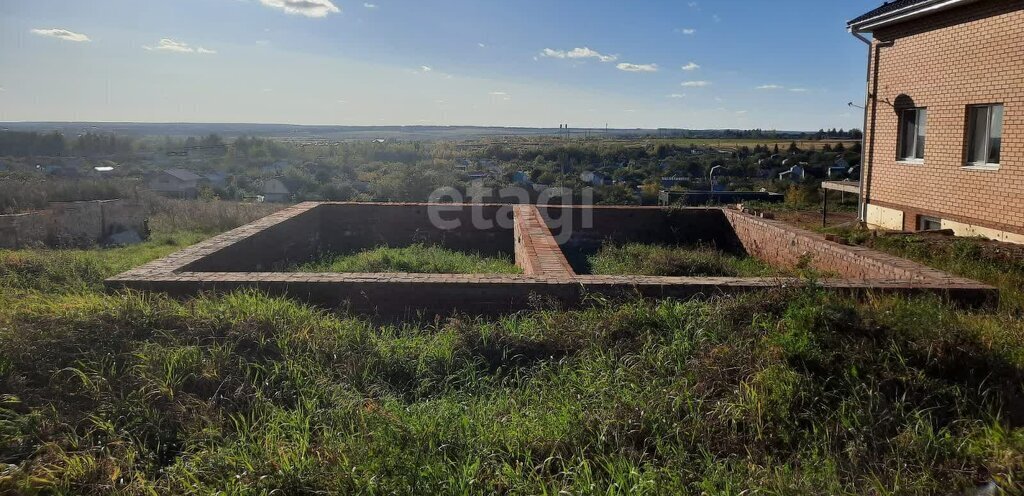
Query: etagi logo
[(448, 207)]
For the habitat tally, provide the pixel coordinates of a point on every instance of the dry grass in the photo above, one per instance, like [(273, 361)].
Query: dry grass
[(25, 195), (168, 215)]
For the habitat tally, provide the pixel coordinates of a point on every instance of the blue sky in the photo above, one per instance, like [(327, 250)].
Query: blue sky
[(784, 64)]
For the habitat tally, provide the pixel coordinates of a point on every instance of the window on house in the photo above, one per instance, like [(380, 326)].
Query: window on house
[(984, 134), (928, 223), (912, 129)]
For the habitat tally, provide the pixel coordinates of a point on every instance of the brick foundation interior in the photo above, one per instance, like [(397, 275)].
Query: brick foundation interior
[(254, 255)]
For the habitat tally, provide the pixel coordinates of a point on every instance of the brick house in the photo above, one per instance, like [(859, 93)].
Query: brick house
[(944, 117), (175, 183)]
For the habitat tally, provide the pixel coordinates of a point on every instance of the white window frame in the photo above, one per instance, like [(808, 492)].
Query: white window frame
[(969, 140), (921, 120)]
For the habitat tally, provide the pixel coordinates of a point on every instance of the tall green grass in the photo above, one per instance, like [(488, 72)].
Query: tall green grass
[(54, 270), (789, 392), (679, 261), (780, 392), (417, 258)]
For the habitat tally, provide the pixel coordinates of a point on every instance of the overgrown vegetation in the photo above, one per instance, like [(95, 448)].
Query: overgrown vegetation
[(785, 391), (416, 258), (662, 260), (995, 263), (24, 195), (76, 271), (214, 216)]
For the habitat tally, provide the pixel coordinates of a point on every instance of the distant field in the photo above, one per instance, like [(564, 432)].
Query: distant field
[(736, 143)]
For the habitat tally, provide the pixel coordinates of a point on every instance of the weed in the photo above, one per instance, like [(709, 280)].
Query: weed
[(417, 258)]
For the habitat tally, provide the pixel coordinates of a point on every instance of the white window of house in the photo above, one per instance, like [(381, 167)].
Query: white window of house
[(984, 134), (912, 130)]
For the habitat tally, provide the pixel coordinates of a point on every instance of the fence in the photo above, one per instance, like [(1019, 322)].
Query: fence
[(63, 224)]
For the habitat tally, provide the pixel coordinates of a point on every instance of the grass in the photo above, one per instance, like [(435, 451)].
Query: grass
[(210, 216), (54, 270), (417, 258), (680, 261), (789, 391)]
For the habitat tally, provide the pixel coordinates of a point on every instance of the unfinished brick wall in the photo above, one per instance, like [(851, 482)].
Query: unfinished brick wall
[(349, 226), (639, 225), (787, 246), (246, 257), (945, 62), (269, 244), (537, 252)]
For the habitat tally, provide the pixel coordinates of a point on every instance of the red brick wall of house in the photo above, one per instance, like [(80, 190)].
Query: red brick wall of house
[(945, 62)]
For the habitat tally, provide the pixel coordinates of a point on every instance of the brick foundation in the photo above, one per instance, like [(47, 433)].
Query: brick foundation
[(245, 257)]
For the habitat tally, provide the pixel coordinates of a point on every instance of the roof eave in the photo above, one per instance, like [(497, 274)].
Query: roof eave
[(904, 14)]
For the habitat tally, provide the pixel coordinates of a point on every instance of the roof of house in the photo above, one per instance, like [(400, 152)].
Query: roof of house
[(886, 8), (182, 174), (895, 11)]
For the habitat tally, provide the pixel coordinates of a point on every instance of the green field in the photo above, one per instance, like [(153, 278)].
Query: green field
[(417, 258), (780, 392), (675, 261)]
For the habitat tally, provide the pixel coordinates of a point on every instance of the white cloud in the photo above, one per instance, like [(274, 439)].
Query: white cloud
[(798, 90), (769, 87), (625, 66), (169, 45), (676, 95), (715, 18), (426, 68), (695, 84), (687, 31), (741, 112), (692, 5), (308, 8), (481, 45), (578, 53), (370, 5), (692, 66), (62, 34), (498, 93)]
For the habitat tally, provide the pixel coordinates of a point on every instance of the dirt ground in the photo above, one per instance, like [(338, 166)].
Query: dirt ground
[(812, 220)]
